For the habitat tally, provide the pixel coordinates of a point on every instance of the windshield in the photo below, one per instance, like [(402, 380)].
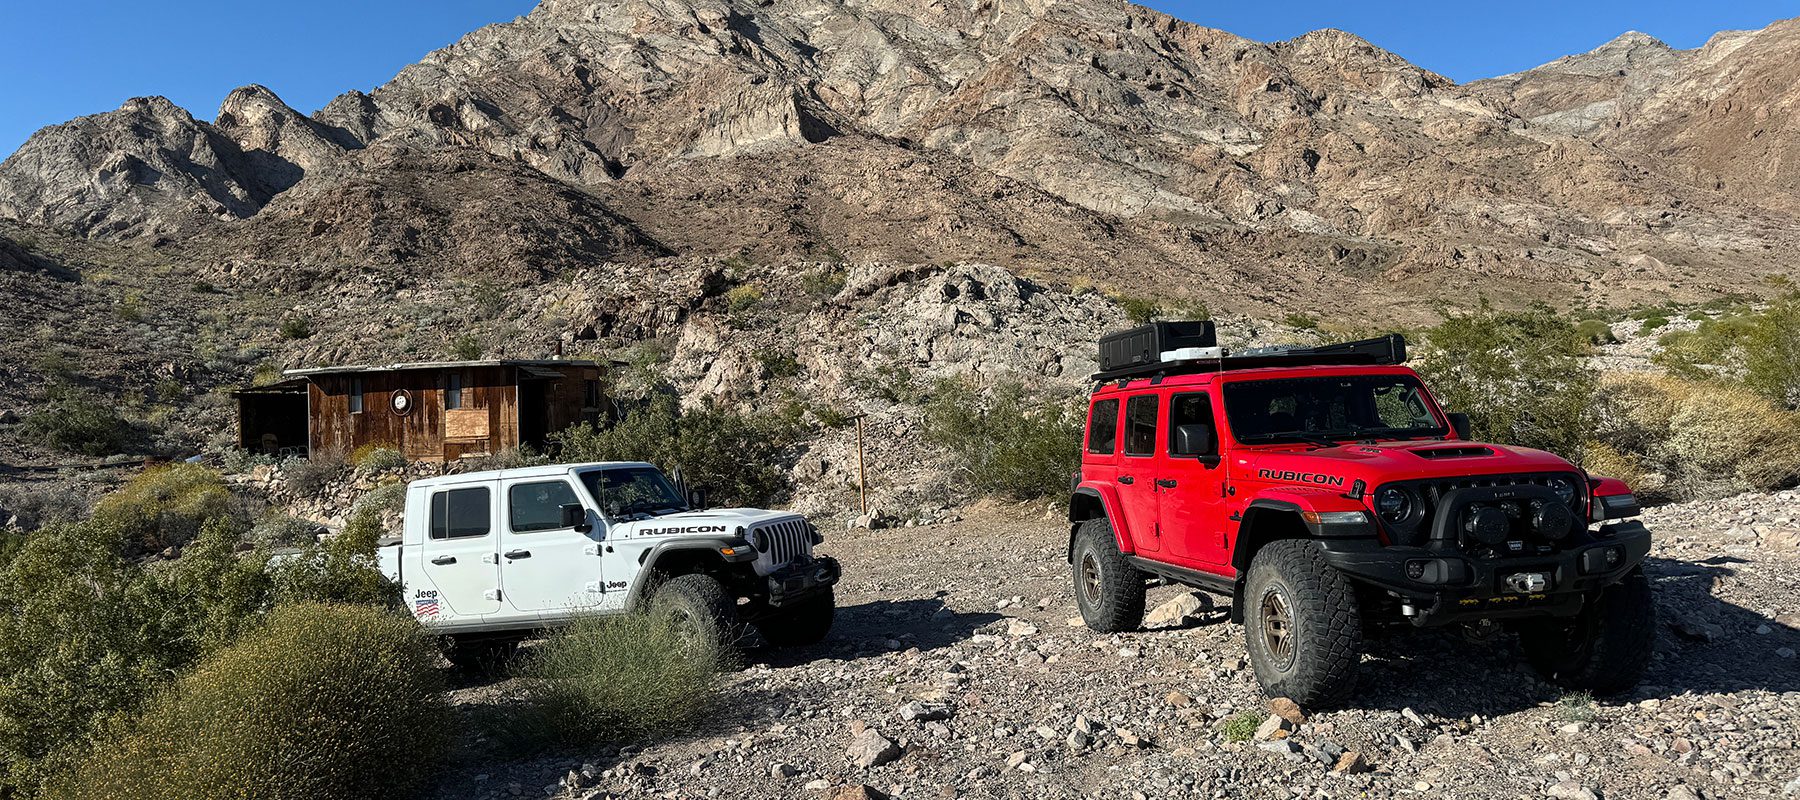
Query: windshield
[(632, 491), (1328, 410)]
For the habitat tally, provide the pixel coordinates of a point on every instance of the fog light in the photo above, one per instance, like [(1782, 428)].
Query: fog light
[(1614, 556), (1415, 569)]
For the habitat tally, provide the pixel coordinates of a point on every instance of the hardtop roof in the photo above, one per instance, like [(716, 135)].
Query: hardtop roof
[(543, 471)]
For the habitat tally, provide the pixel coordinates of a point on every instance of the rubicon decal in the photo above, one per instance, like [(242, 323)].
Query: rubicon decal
[(1300, 477), (689, 529)]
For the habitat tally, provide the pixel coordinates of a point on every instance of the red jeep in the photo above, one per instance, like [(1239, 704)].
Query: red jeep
[(1326, 492)]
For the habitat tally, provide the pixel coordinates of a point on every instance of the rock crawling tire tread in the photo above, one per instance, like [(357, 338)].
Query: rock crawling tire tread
[(1620, 642), (1121, 606), (705, 597), (1325, 616)]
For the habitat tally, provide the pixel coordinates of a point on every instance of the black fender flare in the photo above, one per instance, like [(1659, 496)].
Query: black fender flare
[(648, 559)]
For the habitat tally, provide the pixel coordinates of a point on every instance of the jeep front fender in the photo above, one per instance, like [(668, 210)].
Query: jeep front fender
[(1082, 503), (715, 546)]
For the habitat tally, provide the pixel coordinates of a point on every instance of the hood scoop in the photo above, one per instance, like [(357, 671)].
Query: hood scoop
[(1466, 451)]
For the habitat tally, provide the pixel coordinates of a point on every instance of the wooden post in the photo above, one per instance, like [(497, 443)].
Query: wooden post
[(862, 475)]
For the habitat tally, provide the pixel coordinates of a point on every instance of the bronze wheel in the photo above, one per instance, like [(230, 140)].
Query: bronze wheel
[(1090, 577), (1278, 627)]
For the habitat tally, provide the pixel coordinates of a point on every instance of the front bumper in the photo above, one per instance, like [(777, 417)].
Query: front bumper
[(803, 579), (1441, 584)]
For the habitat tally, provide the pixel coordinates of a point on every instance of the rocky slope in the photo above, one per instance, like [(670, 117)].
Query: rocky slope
[(954, 646)]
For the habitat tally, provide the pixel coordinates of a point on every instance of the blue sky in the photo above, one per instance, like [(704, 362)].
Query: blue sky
[(63, 58)]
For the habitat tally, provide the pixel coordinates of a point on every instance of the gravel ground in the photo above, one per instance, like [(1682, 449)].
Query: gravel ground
[(972, 622)]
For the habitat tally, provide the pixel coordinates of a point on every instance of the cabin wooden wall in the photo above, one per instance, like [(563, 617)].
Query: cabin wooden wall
[(487, 422), (566, 399)]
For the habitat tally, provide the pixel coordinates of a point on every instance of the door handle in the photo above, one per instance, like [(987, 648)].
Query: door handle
[(1166, 483), (518, 554), (442, 560), (1127, 480)]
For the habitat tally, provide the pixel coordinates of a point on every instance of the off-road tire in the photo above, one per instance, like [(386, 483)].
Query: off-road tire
[(480, 656), (1604, 649), (1301, 624), (801, 624), (1108, 589), (701, 610)]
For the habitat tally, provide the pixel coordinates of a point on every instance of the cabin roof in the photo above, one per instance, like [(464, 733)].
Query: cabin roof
[(493, 362)]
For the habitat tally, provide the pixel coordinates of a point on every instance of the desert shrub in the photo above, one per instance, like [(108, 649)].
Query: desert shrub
[(1651, 324), (825, 282), (377, 457), (1714, 347), (281, 530), (388, 498), (1596, 331), (76, 422), (778, 364), (1694, 438), (743, 298), (343, 569), (1772, 352), (895, 384), (609, 679), (295, 328), (1242, 727), (307, 476), (322, 701), (1305, 322), (464, 347), (736, 456), (1520, 377), (1004, 443), (510, 458), (35, 505), (166, 505), (1138, 309)]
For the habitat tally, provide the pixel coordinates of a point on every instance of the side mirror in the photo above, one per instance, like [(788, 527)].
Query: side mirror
[(1459, 424), (574, 515), (696, 498), (1196, 440)]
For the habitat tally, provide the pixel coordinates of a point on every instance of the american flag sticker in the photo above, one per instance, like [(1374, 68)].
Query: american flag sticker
[(425, 608)]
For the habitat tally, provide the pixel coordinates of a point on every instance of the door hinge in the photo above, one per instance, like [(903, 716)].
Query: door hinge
[(591, 550), (490, 558), (593, 587), (491, 594)]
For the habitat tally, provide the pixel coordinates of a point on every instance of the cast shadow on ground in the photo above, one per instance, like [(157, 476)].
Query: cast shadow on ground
[(866, 629)]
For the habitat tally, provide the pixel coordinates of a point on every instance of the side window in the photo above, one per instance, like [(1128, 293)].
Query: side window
[(1188, 409), (460, 513), (356, 395), (1140, 425), (1103, 427), (453, 390), (538, 506)]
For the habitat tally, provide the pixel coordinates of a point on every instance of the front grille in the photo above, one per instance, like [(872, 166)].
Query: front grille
[(779, 543), (1415, 527)]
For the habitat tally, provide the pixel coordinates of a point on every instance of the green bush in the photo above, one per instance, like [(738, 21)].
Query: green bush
[(322, 701), (76, 422), (743, 298), (166, 505), (823, 282), (609, 679), (281, 530), (1772, 352), (778, 364), (1138, 309), (1596, 331), (343, 569), (464, 348), (736, 456), (1003, 442), (1651, 324), (1520, 377), (36, 505), (295, 328), (306, 476), (377, 457), (1242, 727), (1305, 322)]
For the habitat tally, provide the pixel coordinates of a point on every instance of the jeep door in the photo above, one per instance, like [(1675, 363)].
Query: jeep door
[(1190, 490), (460, 552), (547, 568), (1136, 479)]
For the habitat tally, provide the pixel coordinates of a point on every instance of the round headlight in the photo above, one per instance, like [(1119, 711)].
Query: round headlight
[(1563, 489), (1393, 503)]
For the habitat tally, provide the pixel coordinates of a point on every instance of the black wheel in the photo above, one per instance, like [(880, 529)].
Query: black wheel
[(1109, 590), (702, 613), (801, 624), (477, 655), (1301, 624), (1604, 649)]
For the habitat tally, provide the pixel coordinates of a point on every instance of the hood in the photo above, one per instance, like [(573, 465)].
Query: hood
[(725, 520), (1380, 463)]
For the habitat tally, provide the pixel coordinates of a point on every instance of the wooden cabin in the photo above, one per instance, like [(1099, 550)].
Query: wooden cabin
[(428, 411)]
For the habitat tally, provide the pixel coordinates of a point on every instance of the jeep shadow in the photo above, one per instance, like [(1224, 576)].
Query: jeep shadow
[(864, 630), (1705, 645)]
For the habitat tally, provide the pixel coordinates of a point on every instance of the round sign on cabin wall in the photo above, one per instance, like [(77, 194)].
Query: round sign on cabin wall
[(401, 402)]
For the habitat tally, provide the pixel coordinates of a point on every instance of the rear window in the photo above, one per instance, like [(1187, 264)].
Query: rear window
[(1103, 427), (1140, 425), (460, 513)]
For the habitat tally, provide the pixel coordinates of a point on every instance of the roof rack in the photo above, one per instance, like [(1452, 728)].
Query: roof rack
[(1188, 357)]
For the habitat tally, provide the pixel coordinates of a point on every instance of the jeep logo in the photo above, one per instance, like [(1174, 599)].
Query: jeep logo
[(690, 529), (1300, 477)]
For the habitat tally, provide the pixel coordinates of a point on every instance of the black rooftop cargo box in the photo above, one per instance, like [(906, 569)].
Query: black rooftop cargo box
[(1146, 344)]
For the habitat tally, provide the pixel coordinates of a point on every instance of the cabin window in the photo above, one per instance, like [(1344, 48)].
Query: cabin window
[(453, 390), (592, 399), (1140, 425), (460, 513), (356, 395), (1103, 427), (538, 506)]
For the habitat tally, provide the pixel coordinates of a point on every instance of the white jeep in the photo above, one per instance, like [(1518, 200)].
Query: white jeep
[(487, 558)]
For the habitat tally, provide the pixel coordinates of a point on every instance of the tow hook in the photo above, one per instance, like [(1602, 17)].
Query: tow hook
[(1527, 582)]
